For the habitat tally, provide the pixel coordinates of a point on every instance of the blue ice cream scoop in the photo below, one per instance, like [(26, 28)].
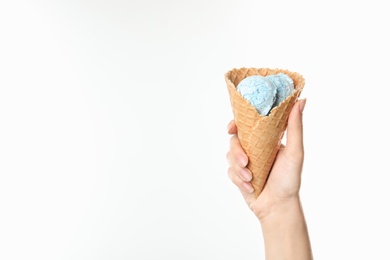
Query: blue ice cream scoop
[(259, 91), (284, 87), (265, 93)]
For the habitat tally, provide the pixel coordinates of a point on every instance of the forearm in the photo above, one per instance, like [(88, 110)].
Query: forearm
[(285, 233)]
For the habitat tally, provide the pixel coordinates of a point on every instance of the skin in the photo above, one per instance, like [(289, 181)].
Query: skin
[(278, 207)]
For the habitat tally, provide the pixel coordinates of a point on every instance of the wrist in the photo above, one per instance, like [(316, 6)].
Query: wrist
[(280, 209)]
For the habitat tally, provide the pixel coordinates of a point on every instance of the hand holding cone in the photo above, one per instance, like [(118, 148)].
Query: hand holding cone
[(260, 136)]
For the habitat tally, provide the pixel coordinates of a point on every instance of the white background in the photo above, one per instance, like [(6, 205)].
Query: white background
[(113, 122)]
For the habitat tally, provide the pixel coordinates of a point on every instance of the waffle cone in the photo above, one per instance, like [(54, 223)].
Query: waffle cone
[(260, 136)]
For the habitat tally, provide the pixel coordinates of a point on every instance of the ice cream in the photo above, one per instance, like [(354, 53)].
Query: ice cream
[(265, 93), (284, 87)]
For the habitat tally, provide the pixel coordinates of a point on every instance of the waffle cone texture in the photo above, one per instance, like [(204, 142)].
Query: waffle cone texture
[(260, 136)]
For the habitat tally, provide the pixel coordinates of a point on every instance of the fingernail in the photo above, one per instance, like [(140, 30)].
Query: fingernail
[(229, 126), (248, 187), (245, 175), (242, 160), (302, 104)]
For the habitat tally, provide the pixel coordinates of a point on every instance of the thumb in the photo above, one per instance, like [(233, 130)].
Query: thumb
[(294, 142)]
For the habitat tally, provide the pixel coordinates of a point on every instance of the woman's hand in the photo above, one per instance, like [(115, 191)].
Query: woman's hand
[(282, 187)]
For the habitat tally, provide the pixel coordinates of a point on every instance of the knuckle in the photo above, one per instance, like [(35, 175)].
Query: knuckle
[(238, 182), (232, 140), (230, 173), (228, 156), (234, 178)]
